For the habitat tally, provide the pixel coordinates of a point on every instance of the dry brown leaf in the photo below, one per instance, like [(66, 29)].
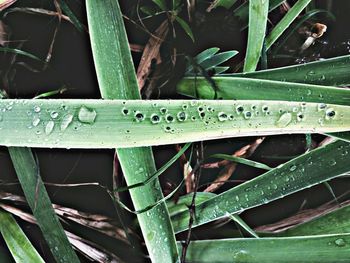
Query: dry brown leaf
[(151, 54), (230, 167)]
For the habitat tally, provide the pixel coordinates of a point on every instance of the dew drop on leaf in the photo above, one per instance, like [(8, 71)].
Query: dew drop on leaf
[(66, 120), (86, 115), (54, 114), (49, 127), (37, 109), (36, 121), (284, 120), (340, 242)]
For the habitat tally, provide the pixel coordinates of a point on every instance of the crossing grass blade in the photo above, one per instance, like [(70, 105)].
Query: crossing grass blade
[(258, 11), (242, 12), (297, 174), (321, 249), (249, 89), (117, 80), (34, 190), (19, 245), (327, 72), (285, 22), (132, 123), (334, 222)]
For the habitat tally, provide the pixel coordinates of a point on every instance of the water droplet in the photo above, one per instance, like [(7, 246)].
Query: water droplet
[(49, 127), (332, 162), (330, 114), (200, 109), (54, 114), (155, 118), (184, 106), (181, 116), (265, 108), (163, 110), (37, 109), (321, 106), (247, 115), (300, 116), (66, 120), (222, 116), (292, 168), (340, 242), (86, 115), (169, 118), (125, 111), (194, 102), (284, 120), (36, 121), (239, 109)]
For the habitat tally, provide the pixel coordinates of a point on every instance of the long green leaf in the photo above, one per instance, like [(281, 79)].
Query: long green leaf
[(116, 123), (299, 173), (332, 223), (327, 72), (39, 202), (21, 248), (243, 10), (117, 80), (258, 11), (282, 25), (241, 161), (320, 249), (254, 89)]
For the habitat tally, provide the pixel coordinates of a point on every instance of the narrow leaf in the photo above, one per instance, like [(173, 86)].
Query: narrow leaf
[(299, 173), (17, 242), (123, 124), (117, 80), (320, 249), (39, 202), (258, 11), (285, 22)]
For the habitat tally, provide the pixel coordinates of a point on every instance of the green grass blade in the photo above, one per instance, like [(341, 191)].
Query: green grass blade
[(185, 201), (39, 202), (243, 10), (78, 25), (241, 161), (295, 175), (243, 224), (132, 123), (306, 249), (258, 89), (285, 22), (328, 72), (17, 242), (224, 3), (332, 223), (218, 59), (19, 52), (258, 11), (117, 80)]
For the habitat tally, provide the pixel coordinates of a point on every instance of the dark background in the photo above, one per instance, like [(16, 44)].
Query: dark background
[(72, 67)]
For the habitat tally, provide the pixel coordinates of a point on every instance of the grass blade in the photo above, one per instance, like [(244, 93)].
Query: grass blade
[(320, 249), (285, 22), (328, 72), (295, 175), (123, 124), (332, 223), (241, 161), (21, 248), (242, 12), (33, 187), (117, 80), (258, 11), (255, 89)]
